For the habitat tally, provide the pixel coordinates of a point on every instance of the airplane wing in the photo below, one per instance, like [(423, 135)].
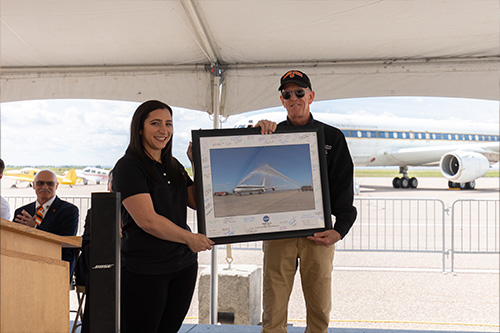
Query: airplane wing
[(417, 156), (20, 178)]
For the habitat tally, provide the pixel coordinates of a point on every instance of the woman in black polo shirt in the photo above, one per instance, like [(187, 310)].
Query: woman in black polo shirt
[(159, 260)]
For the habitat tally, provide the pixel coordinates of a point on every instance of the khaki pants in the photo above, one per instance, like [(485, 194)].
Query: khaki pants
[(281, 259)]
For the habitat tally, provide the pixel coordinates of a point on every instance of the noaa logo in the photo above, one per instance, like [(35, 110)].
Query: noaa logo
[(266, 218)]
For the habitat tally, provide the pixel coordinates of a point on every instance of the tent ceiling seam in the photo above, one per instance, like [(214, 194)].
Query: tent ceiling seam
[(493, 62)]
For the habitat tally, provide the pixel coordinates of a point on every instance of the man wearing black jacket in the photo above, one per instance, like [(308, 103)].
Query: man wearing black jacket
[(314, 254)]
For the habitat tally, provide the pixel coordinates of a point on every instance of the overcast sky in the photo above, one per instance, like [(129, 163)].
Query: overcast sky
[(96, 132)]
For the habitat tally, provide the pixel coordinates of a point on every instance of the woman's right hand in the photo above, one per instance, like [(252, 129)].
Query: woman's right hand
[(199, 242)]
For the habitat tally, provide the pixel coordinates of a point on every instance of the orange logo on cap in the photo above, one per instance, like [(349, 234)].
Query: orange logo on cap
[(292, 74)]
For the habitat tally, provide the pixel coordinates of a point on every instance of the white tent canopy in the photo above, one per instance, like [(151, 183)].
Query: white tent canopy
[(186, 52)]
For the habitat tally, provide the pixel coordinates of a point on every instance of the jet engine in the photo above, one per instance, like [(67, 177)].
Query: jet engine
[(463, 166)]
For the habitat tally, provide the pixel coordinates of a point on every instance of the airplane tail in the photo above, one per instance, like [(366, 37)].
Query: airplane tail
[(70, 177)]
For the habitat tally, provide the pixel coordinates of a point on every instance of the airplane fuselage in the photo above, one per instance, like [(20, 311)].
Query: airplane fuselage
[(373, 140)]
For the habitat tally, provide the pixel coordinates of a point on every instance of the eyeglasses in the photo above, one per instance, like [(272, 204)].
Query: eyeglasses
[(299, 93), (41, 183)]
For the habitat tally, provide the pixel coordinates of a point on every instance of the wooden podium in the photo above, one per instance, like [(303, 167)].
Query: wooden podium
[(34, 281)]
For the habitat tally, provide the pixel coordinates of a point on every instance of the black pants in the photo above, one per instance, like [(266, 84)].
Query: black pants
[(156, 303)]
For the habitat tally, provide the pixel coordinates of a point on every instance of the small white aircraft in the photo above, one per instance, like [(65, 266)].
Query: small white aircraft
[(251, 189), (90, 173), (463, 150)]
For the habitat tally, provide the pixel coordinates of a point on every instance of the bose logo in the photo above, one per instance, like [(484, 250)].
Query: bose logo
[(103, 266)]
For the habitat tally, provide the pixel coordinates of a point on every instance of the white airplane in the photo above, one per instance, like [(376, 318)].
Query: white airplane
[(95, 174), (463, 150), (251, 189)]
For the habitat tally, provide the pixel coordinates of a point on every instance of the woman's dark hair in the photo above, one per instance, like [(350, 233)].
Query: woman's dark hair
[(136, 147)]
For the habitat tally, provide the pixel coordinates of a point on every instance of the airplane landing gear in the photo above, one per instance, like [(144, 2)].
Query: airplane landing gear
[(463, 186), (405, 181)]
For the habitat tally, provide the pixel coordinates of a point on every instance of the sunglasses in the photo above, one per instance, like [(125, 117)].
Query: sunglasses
[(299, 93), (41, 183)]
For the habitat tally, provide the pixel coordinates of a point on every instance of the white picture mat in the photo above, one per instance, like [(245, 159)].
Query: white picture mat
[(260, 223)]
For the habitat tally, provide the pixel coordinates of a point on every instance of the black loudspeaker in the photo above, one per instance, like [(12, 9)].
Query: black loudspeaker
[(104, 300)]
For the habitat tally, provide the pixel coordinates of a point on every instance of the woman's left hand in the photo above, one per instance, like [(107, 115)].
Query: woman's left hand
[(199, 242)]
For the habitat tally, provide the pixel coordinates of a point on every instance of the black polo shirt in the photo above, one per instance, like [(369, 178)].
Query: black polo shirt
[(142, 252)]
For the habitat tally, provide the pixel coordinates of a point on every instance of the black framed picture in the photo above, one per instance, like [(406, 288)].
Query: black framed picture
[(255, 187)]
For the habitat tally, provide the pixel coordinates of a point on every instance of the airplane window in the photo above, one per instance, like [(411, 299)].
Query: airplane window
[(387, 134), (420, 135), (369, 134), (412, 135), (404, 135), (359, 134), (434, 136), (477, 137), (395, 135)]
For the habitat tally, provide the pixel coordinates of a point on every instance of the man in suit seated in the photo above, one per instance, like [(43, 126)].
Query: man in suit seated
[(49, 213)]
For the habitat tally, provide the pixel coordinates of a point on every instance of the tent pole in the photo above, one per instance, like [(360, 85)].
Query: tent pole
[(214, 276)]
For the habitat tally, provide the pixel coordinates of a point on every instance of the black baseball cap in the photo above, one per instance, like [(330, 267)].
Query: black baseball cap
[(297, 77)]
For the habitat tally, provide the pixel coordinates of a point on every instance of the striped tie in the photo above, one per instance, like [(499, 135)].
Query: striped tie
[(39, 215)]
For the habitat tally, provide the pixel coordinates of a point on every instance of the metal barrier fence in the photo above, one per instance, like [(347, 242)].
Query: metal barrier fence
[(391, 225), (474, 227), (397, 225)]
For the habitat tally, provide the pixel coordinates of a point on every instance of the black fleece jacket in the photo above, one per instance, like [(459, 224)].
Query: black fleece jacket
[(340, 174)]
